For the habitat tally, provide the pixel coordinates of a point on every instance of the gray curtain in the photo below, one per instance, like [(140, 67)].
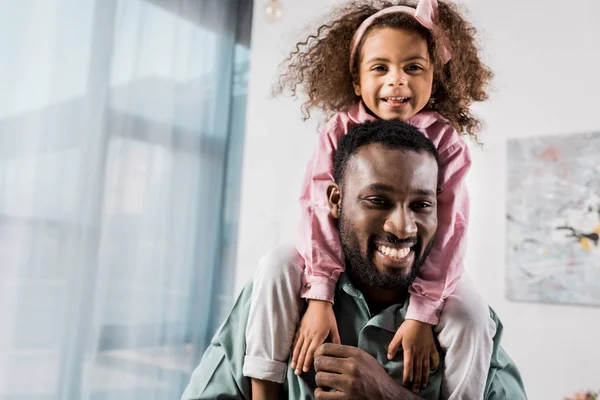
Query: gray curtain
[(121, 126)]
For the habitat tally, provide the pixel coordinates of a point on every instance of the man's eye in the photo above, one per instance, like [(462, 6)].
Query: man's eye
[(422, 205), (378, 201)]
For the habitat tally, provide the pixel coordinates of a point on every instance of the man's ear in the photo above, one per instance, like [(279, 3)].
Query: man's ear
[(334, 200)]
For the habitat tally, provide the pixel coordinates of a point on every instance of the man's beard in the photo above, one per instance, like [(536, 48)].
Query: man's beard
[(365, 269)]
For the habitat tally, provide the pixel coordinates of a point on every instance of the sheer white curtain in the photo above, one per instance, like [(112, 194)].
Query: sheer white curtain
[(120, 123)]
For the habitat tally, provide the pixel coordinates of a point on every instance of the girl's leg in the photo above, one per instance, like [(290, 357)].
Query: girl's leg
[(465, 332), (272, 320)]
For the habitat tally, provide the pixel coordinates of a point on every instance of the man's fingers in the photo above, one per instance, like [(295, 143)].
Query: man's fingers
[(330, 380), (297, 347), (329, 364), (309, 355), (408, 367), (335, 335), (336, 350), (394, 345), (320, 394), (425, 372)]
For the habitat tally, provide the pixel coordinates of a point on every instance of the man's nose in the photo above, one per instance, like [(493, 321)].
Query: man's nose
[(401, 223)]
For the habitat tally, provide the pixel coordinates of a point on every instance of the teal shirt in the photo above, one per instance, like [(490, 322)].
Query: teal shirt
[(219, 375)]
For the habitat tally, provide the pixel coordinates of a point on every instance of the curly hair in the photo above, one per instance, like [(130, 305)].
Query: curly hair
[(318, 66)]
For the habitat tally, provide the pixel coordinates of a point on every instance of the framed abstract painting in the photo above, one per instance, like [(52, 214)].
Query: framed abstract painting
[(553, 219)]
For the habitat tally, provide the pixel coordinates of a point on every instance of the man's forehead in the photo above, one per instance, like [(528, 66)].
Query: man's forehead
[(380, 165)]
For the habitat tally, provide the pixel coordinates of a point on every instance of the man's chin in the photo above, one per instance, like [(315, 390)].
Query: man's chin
[(385, 278), (393, 274), (394, 280)]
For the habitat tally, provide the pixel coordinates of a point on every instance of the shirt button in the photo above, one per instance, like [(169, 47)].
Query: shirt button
[(307, 286)]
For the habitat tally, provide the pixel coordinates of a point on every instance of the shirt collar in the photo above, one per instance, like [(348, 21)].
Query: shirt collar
[(347, 286), (389, 319)]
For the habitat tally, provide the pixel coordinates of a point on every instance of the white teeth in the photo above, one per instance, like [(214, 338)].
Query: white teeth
[(395, 253), (398, 98)]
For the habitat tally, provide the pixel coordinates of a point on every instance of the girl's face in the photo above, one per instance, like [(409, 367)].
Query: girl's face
[(395, 73)]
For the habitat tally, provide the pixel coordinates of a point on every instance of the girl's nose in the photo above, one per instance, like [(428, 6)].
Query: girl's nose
[(397, 79)]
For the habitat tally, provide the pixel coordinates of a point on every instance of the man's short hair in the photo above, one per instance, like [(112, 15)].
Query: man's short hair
[(392, 134)]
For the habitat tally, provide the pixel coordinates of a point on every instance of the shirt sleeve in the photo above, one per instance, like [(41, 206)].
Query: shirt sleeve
[(504, 380), (506, 384), (444, 265), (213, 378), (220, 372), (318, 239)]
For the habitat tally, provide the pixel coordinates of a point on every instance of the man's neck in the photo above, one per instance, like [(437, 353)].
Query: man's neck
[(378, 299)]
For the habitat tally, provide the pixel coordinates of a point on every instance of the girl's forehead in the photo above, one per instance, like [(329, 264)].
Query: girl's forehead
[(388, 39), (381, 33)]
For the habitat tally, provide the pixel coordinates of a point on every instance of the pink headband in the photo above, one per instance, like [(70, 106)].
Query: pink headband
[(425, 13)]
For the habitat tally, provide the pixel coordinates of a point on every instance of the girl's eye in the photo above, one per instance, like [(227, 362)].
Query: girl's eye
[(414, 68), (378, 68)]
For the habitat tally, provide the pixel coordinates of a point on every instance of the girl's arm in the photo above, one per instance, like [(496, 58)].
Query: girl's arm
[(319, 245), (444, 266), (318, 240)]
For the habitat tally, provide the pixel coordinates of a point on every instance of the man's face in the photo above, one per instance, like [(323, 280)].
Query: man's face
[(387, 214)]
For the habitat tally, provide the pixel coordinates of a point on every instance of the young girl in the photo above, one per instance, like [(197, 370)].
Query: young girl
[(372, 60)]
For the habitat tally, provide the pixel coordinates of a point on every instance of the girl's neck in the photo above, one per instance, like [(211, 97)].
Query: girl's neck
[(370, 112)]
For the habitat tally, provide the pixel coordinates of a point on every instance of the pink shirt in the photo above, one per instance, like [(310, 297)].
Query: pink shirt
[(318, 240)]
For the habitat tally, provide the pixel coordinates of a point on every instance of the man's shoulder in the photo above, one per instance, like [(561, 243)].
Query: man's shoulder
[(284, 254)]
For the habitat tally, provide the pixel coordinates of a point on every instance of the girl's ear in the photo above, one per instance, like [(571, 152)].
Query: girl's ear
[(434, 88), (334, 200), (356, 86)]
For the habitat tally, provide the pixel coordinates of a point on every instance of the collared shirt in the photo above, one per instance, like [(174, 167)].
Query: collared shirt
[(219, 375), (318, 240)]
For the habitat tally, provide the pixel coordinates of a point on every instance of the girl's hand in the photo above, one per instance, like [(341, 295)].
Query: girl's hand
[(420, 353), (317, 323)]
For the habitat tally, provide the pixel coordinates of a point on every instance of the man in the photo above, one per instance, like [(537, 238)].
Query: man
[(384, 198)]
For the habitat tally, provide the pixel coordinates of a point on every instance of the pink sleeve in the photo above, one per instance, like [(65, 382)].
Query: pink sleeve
[(444, 266), (318, 241)]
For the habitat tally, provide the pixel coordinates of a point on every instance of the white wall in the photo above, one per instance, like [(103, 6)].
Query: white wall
[(546, 57), (277, 143)]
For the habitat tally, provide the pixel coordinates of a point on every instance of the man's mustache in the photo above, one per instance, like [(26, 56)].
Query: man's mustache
[(393, 239)]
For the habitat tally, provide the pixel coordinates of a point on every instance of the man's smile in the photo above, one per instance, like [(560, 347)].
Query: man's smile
[(389, 252), (394, 257), (398, 253)]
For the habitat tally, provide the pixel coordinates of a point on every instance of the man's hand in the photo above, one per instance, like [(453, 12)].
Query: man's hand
[(420, 353), (355, 374), (317, 323)]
